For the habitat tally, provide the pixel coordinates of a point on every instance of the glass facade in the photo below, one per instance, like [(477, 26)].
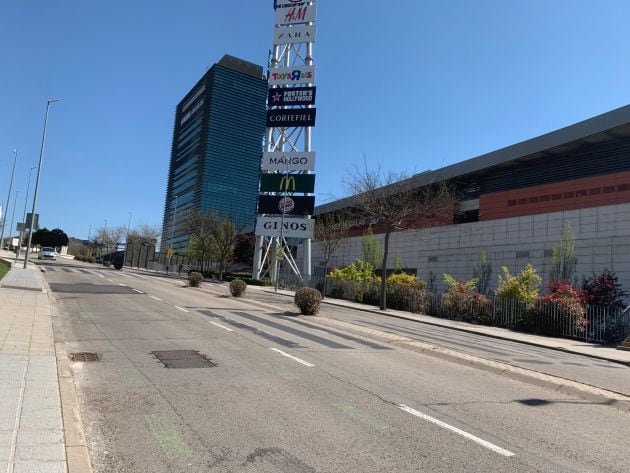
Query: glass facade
[(216, 150)]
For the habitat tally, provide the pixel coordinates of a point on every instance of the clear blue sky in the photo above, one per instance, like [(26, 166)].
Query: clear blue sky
[(410, 84)]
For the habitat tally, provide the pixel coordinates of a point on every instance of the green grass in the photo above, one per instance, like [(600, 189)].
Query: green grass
[(4, 268)]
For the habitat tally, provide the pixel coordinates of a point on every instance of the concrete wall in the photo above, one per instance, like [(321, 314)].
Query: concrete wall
[(602, 241)]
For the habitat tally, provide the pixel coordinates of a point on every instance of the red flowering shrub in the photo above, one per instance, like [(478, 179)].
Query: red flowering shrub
[(561, 312), (462, 302), (604, 290)]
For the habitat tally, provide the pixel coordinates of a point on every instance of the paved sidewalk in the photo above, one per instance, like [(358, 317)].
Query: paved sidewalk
[(32, 436)]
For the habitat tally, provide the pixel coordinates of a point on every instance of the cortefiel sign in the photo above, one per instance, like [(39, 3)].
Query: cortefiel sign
[(295, 14), (287, 162), (294, 34), (303, 183), (293, 205), (296, 117), (291, 96), (292, 75), (291, 227)]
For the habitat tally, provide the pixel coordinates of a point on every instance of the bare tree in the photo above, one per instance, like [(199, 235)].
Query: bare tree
[(144, 234), (393, 202), (212, 239), (224, 235), (330, 230)]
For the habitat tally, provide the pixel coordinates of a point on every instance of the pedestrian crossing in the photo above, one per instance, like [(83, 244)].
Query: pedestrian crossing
[(52, 268)]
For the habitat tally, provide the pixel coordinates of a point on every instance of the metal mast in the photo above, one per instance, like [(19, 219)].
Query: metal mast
[(286, 202)]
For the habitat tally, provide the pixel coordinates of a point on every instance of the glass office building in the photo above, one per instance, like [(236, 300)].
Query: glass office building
[(216, 150)]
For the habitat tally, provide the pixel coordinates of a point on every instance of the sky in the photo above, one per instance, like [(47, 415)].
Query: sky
[(408, 85)]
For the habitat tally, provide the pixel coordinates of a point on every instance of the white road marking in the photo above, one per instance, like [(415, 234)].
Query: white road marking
[(181, 308), (110, 280), (139, 292), (141, 276), (294, 358), (156, 298), (444, 425), (124, 275), (222, 326), (121, 284)]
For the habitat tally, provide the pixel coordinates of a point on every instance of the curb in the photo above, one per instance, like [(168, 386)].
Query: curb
[(465, 330)]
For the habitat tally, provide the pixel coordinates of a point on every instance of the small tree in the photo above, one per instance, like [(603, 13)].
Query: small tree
[(371, 248), (564, 260), (144, 234), (482, 272), (395, 202), (244, 249), (223, 234), (330, 230)]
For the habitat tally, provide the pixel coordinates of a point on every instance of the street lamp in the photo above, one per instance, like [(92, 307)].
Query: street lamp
[(127, 240), (6, 211), (13, 216), (39, 172), (28, 187)]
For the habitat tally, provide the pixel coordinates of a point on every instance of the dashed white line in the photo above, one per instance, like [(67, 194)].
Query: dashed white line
[(110, 280), (121, 284), (156, 298), (125, 275), (139, 292), (181, 308), (294, 358), (222, 326), (444, 425)]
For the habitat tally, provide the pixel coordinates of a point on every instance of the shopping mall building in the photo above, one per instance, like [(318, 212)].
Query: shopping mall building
[(514, 202)]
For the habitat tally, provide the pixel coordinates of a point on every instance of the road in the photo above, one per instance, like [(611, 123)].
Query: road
[(281, 393)]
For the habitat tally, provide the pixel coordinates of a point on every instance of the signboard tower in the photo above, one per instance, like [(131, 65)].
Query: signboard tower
[(286, 201)]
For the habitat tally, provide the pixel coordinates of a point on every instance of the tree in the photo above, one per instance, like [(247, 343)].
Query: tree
[(482, 272), (564, 260), (224, 234), (212, 240), (371, 248), (58, 238), (244, 249), (144, 234), (330, 230), (393, 202), (41, 237)]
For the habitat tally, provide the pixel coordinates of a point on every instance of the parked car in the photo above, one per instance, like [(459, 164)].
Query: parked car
[(48, 252)]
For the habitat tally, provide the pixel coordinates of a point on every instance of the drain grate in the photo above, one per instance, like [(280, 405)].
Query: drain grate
[(183, 359), (83, 356)]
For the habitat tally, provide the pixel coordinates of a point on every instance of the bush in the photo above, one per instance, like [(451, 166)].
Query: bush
[(604, 290), (463, 302), (79, 258), (407, 297), (359, 271), (308, 300), (107, 263), (91, 259), (238, 287), (194, 279), (523, 287)]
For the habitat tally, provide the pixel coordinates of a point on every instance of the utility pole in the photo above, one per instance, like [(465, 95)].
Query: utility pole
[(6, 211)]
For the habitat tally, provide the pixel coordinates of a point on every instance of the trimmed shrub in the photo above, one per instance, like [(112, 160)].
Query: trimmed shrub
[(91, 259), (107, 263), (194, 279), (308, 300), (359, 271), (238, 287)]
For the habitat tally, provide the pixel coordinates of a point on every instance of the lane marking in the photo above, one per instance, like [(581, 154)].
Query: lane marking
[(110, 280), (156, 298), (222, 326), (125, 275), (181, 308), (294, 358), (362, 417), (139, 292), (444, 425), (140, 276), (121, 284), (168, 437)]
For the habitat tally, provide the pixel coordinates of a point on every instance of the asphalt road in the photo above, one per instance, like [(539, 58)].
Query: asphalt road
[(288, 394)]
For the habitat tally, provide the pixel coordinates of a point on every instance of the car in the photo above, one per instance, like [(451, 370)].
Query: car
[(48, 252)]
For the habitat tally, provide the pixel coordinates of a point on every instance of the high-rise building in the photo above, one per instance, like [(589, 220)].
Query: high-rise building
[(216, 150)]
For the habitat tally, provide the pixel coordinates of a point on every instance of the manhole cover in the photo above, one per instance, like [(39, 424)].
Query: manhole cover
[(85, 356), (183, 359)]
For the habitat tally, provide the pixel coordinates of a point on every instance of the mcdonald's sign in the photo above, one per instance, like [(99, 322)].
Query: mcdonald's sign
[(302, 183)]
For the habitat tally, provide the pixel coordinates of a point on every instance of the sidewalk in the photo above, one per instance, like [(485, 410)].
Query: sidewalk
[(592, 350), (32, 436)]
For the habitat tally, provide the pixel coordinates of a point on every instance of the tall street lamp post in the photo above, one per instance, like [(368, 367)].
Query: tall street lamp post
[(28, 187), (13, 216), (39, 172), (6, 211)]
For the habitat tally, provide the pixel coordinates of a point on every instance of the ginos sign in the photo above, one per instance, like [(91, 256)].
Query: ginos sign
[(290, 228)]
